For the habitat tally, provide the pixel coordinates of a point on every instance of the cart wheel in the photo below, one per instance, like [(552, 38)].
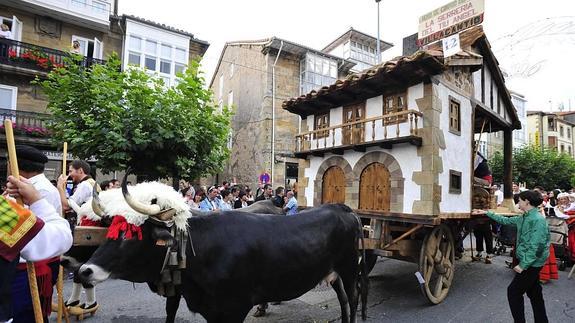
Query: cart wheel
[(437, 263)]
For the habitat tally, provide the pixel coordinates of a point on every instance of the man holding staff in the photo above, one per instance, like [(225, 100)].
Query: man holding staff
[(53, 239), (31, 163)]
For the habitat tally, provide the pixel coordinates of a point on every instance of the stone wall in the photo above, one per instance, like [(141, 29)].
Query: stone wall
[(251, 84), (431, 163)]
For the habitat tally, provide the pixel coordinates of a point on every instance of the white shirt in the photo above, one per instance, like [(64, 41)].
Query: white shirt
[(54, 239), (499, 197), (6, 34), (83, 193), (48, 191)]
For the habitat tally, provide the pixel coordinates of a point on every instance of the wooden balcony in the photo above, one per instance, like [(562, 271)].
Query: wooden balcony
[(33, 59), (384, 131)]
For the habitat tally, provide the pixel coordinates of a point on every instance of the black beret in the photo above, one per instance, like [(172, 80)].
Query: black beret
[(31, 154)]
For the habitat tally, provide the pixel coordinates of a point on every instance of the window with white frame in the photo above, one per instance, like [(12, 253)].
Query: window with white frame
[(316, 71), (8, 96), (155, 56), (364, 55)]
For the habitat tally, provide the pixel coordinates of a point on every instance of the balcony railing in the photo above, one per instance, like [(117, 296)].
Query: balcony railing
[(31, 124), (35, 57), (384, 131)]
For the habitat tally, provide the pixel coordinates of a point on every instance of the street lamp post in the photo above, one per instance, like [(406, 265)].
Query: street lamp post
[(378, 51)]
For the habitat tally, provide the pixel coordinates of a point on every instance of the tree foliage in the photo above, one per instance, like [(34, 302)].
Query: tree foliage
[(537, 167), (129, 118)]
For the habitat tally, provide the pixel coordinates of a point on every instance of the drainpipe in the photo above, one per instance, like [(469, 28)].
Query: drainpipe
[(274, 113)]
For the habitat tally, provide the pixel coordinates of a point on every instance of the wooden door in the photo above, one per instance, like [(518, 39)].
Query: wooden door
[(374, 188), (353, 134), (333, 188)]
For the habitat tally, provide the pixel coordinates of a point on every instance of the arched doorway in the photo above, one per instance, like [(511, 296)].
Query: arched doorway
[(374, 188), (333, 188)]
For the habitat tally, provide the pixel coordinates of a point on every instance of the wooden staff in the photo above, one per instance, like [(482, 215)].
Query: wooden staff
[(60, 283), (29, 265)]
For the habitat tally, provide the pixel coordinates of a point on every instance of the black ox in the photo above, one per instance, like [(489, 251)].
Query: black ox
[(241, 259)]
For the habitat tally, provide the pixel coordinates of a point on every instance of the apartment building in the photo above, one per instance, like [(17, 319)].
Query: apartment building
[(44, 32), (551, 130)]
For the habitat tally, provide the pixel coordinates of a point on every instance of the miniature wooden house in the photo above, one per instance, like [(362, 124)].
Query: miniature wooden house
[(398, 138)]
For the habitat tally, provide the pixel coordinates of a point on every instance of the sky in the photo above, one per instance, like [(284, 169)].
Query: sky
[(534, 41)]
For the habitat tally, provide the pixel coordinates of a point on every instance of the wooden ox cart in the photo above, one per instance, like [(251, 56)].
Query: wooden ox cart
[(396, 143)]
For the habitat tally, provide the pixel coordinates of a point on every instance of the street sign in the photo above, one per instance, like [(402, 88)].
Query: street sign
[(264, 178), (449, 19), (451, 45)]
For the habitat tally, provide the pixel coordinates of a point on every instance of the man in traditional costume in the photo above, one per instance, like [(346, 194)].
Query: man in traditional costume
[(31, 163), (36, 234)]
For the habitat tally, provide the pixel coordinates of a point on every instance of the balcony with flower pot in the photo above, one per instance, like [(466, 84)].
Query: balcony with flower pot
[(32, 59)]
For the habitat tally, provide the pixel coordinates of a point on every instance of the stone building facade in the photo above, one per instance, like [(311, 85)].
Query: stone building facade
[(551, 130), (243, 80), (44, 32)]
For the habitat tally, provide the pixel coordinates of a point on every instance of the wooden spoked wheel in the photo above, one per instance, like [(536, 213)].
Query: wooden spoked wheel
[(437, 263)]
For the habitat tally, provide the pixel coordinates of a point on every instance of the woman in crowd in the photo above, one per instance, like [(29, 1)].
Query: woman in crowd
[(242, 200), (227, 200)]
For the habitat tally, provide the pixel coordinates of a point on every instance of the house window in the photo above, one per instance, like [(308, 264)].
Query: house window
[(562, 148), (395, 103), (550, 124), (155, 56), (232, 66), (561, 131), (8, 96), (316, 71), (454, 117), (568, 133), (321, 122), (363, 53), (165, 66), (454, 182), (99, 6), (569, 150)]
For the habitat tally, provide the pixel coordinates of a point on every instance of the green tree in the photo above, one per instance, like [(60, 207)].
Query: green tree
[(537, 167), (131, 119)]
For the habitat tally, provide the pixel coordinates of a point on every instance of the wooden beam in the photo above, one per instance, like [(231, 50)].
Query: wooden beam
[(403, 236), (318, 153), (507, 164)]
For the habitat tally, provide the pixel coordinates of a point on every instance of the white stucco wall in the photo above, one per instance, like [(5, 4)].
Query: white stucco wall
[(457, 155), (477, 84)]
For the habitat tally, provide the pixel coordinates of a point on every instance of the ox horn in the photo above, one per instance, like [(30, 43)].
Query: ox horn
[(135, 204), (96, 205)]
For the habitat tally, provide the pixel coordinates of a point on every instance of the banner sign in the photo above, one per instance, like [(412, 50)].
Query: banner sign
[(450, 19)]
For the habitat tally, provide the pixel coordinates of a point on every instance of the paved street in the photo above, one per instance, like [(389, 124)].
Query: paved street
[(478, 295)]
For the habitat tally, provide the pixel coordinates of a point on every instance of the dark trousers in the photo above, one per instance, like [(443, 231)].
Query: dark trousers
[(527, 282), (483, 232), (7, 273)]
